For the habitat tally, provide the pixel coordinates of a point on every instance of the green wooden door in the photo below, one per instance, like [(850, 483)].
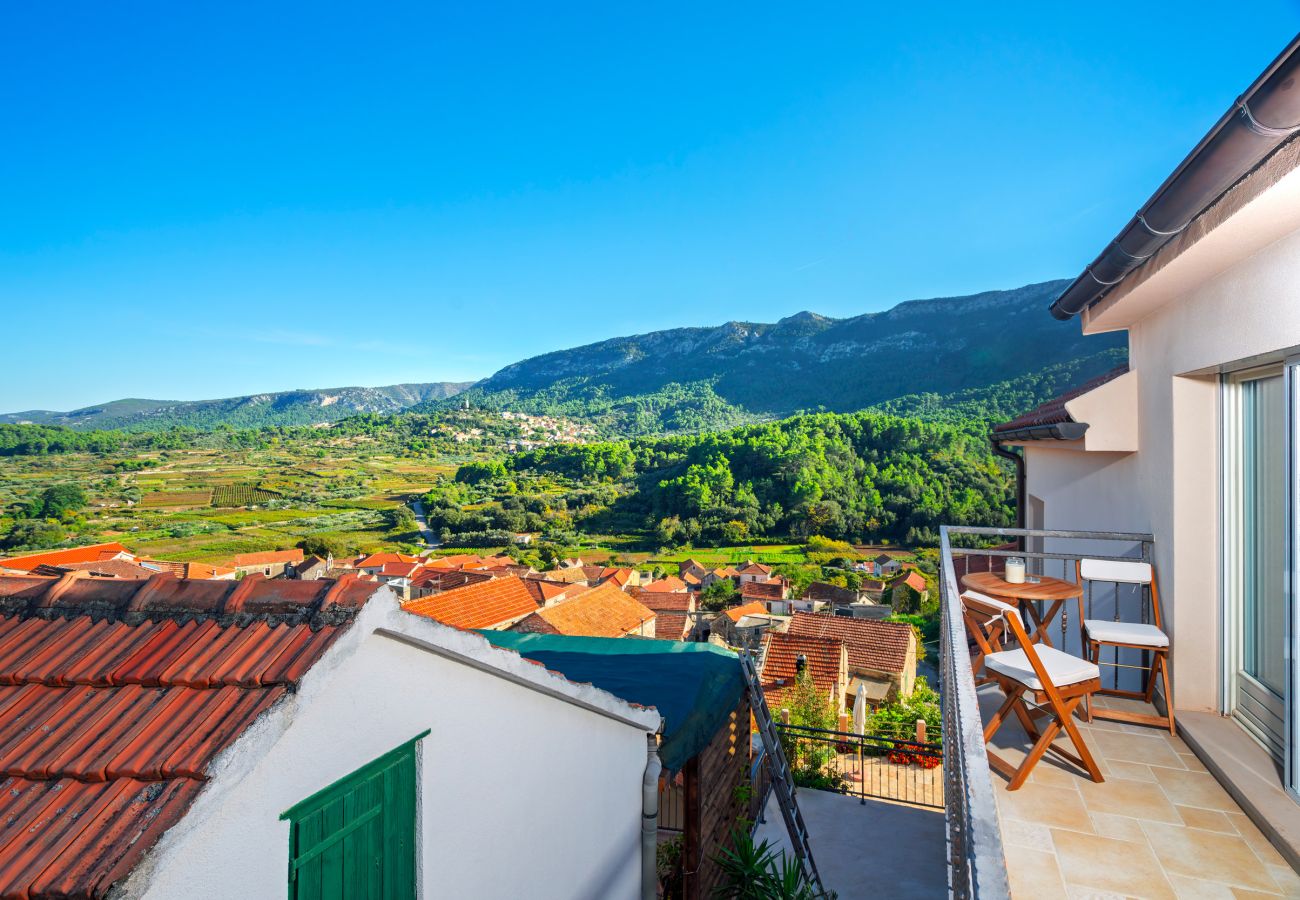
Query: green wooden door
[(355, 840)]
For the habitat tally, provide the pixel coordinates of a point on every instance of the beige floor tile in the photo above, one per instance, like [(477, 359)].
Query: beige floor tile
[(1137, 799), (1129, 771), (1044, 805), (1209, 819), (1196, 889), (1195, 789), (1057, 773), (1034, 875), (1027, 834), (1079, 892), (1151, 750), (1105, 864), (1255, 838), (1192, 762), (1204, 854), (1286, 879), (1121, 828), (1245, 894)]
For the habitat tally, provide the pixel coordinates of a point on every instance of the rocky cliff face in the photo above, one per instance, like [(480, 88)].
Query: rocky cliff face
[(808, 361)]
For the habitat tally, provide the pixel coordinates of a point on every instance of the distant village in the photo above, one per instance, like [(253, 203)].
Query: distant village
[(836, 634)]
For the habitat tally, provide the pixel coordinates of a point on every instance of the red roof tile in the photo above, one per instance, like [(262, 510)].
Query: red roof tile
[(736, 613), (662, 602), (91, 553), (268, 557), (762, 590), (1053, 411), (669, 585), (881, 646), (488, 604), (108, 724), (603, 611), (780, 662), (670, 626)]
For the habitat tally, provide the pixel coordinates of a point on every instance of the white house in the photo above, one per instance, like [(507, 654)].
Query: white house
[(1195, 442)]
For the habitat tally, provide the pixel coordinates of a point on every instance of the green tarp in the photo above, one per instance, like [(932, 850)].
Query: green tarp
[(694, 687)]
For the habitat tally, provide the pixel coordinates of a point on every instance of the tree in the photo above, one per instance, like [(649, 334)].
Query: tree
[(324, 545), (58, 501), (34, 534), (898, 718), (718, 595)]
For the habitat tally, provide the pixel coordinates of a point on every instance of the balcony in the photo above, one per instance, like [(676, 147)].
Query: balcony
[(1160, 825)]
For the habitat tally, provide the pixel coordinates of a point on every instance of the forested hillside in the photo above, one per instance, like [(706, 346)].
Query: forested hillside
[(695, 379), (861, 476)]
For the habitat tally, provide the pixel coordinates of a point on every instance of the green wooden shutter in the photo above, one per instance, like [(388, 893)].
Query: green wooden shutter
[(355, 840)]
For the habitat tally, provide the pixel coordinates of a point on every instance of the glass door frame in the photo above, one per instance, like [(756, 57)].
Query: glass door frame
[(1230, 565)]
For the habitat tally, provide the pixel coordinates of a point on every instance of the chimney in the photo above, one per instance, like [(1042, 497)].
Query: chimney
[(800, 665)]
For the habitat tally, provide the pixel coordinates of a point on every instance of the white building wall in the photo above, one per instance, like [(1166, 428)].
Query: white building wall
[(521, 794), (1170, 486)]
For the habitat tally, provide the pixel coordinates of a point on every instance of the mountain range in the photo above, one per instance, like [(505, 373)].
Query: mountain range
[(920, 356), (300, 407), (690, 379)]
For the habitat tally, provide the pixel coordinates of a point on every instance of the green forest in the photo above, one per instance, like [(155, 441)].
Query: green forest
[(860, 476)]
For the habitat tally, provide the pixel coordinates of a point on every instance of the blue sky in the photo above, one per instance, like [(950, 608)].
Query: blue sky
[(267, 196)]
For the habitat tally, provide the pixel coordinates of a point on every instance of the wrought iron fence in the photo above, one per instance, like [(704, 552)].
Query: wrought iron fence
[(977, 865), (873, 765)]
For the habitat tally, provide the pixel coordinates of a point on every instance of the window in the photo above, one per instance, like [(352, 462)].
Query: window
[(356, 838)]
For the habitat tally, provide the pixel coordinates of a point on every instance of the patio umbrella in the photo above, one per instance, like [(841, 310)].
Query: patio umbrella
[(860, 710)]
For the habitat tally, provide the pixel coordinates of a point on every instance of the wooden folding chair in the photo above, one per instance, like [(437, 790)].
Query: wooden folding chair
[(1098, 633), (1054, 681), (987, 631)]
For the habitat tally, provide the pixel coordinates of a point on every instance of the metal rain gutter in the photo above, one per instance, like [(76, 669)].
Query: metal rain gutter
[(1260, 121)]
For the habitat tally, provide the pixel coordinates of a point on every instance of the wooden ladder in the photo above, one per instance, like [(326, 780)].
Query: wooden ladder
[(782, 783)]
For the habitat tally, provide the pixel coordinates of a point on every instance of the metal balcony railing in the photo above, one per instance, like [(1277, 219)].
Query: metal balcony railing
[(977, 864)]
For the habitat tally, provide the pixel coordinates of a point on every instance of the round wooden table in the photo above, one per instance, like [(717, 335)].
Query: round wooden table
[(1046, 589)]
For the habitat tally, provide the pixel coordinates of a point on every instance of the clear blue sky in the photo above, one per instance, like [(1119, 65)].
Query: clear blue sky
[(263, 196)]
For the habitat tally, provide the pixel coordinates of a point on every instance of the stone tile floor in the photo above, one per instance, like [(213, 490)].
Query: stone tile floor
[(1160, 826)]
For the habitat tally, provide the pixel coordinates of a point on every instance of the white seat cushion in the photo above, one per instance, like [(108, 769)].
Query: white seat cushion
[(1115, 570), (1062, 668), (1001, 605), (1125, 633)]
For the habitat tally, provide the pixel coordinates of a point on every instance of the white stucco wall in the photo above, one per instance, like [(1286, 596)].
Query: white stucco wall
[(521, 794), (1170, 485)]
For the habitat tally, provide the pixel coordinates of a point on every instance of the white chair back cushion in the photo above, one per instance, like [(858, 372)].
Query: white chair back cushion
[(1004, 608), (1115, 571)]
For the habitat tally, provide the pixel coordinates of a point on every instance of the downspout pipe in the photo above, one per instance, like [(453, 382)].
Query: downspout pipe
[(1018, 460), (1261, 120), (650, 820)]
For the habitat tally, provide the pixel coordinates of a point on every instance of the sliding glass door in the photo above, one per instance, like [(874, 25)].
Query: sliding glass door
[(1257, 498)]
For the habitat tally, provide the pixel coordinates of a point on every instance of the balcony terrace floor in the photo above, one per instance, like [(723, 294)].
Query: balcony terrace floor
[(1160, 826)]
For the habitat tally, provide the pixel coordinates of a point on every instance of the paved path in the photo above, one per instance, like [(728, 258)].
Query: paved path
[(430, 540), (870, 850)]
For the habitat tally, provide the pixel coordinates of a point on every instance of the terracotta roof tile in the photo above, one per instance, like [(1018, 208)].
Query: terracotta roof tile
[(881, 646), (781, 652), (671, 584), (762, 590), (268, 557), (662, 602), (736, 613), (91, 553), (603, 611), (108, 723), (489, 604), (671, 626)]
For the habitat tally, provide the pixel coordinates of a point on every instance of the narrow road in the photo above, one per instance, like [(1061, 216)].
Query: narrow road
[(430, 540)]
